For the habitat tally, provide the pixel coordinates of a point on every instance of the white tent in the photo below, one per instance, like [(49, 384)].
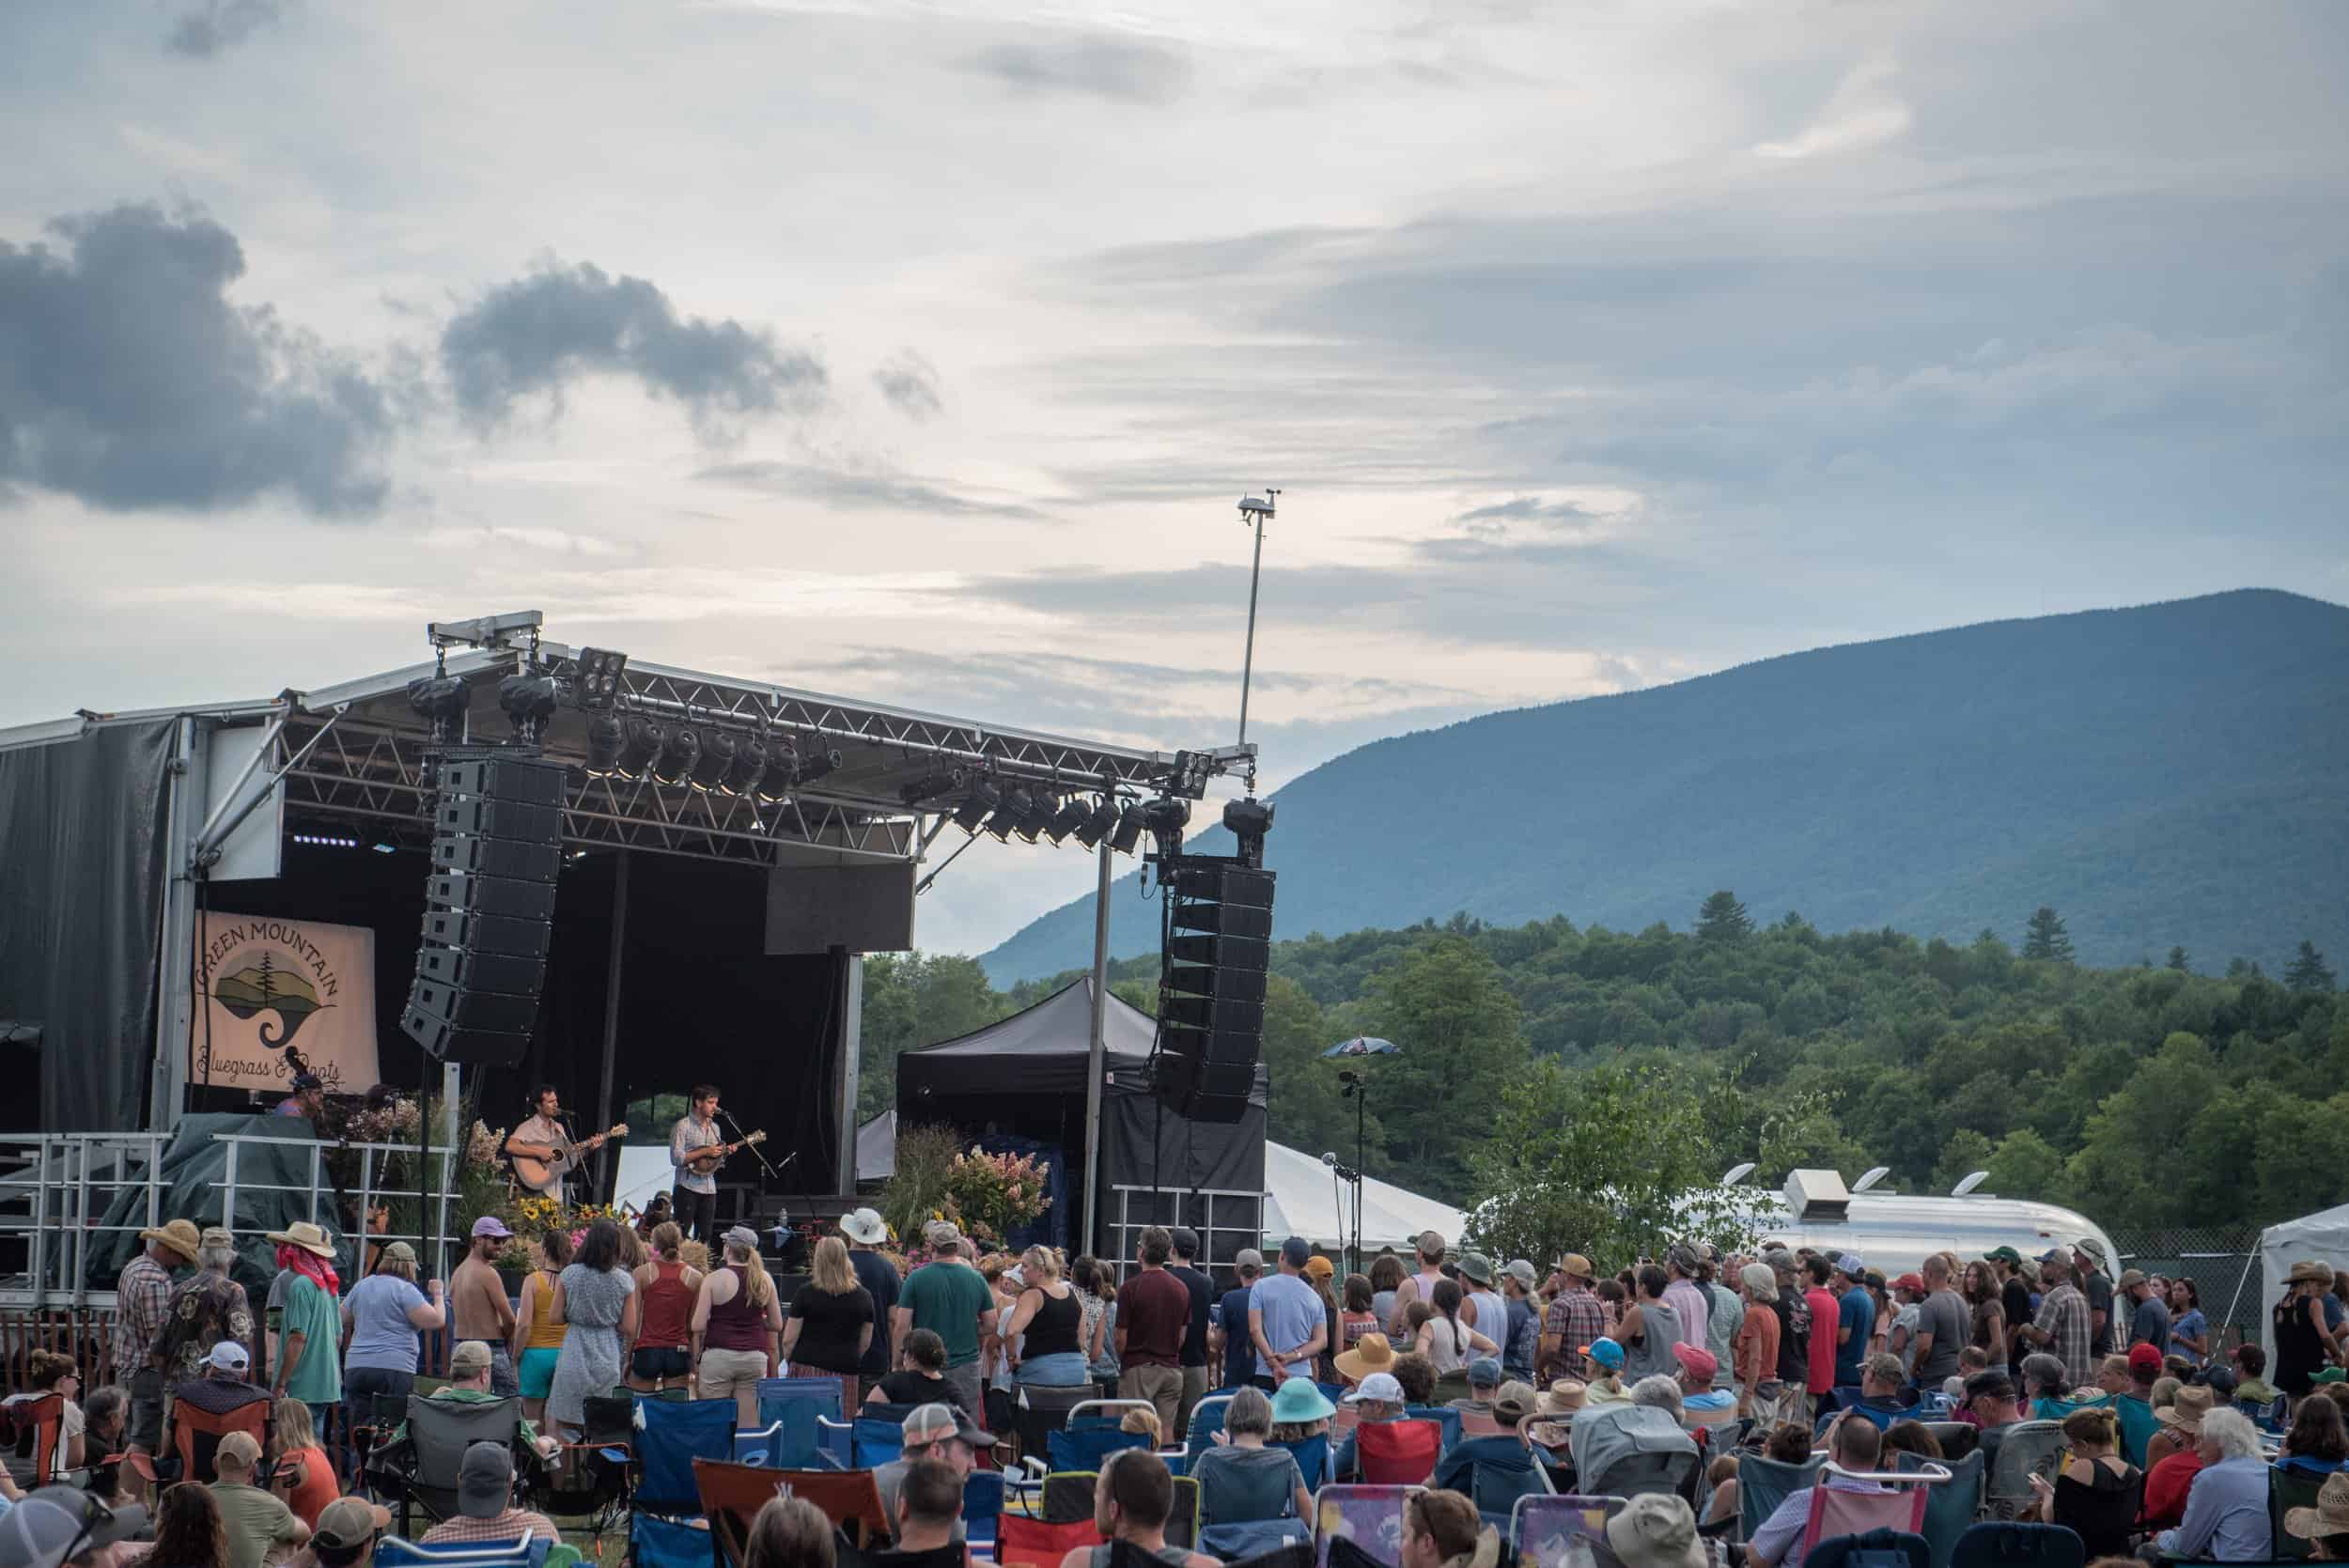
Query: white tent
[(1303, 1198), (2323, 1236)]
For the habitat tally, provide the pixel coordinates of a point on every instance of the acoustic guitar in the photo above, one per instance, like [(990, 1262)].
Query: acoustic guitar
[(543, 1177), (704, 1160)]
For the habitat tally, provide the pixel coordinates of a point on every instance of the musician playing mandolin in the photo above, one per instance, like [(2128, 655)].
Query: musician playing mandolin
[(694, 1150), (543, 1140)]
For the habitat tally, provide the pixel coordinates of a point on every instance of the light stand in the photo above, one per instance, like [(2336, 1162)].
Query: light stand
[(1358, 1090)]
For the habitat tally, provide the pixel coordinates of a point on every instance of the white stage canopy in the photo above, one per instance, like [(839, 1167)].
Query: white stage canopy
[(1303, 1199), (2323, 1236)]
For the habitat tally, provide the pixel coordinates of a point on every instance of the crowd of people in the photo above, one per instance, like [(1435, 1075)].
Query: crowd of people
[(1787, 1353)]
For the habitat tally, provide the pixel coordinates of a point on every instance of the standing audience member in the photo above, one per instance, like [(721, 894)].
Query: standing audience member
[(2303, 1344), (1651, 1327), (596, 1302), (206, 1308), (189, 1529), (1521, 1352), (1944, 1325), (867, 1233), (1855, 1319), (2015, 1303), (737, 1325), (1185, 1242), (1355, 1316), (2063, 1325), (1826, 1326), (2190, 1330), (1692, 1308), (538, 1334), (1985, 1310), (256, 1521), (1231, 1317), (1482, 1307), (951, 1299), (667, 1286), (2097, 1287), (1448, 1342), (1756, 1346), (1153, 1319), (1428, 1252), (477, 1305), (831, 1326), (2148, 1310), (380, 1317), (1048, 1322), (1386, 1278), (309, 1359), (142, 1307), (1572, 1320), (2226, 1509), (1724, 1314), (1284, 1319)]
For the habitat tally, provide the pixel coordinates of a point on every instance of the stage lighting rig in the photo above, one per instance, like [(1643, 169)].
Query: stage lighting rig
[(1009, 815), (1099, 823), (1042, 807), (598, 683), (944, 780), (818, 763), (1129, 830), (1073, 814), (984, 798), (750, 766), (641, 743), (676, 760), (715, 761), (606, 738), (1248, 820), (782, 770)]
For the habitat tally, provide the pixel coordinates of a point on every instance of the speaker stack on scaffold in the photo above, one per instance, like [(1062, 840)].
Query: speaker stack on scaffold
[(1211, 985), (497, 845)]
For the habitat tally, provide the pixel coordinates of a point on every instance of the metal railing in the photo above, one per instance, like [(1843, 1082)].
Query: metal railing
[(1242, 1225), (56, 1190)]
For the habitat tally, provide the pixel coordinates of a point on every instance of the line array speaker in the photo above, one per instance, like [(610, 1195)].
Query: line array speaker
[(497, 845), (1212, 985)]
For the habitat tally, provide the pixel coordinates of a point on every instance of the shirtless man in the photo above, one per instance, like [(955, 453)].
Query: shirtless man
[(478, 1307)]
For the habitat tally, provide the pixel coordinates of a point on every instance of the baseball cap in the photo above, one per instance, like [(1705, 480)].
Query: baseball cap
[(1911, 1281), (485, 1480), (1248, 1259), (2143, 1355), (2129, 1277), (1320, 1267), (471, 1356), (1483, 1372), (1700, 1363), (59, 1522), (1515, 1400), (1606, 1352), (1849, 1263), (1185, 1240), (1477, 1268), (489, 1224), (929, 1423), (1379, 1385), (2005, 1255), (229, 1356), (1295, 1251), (941, 1232), (348, 1524), (741, 1236), (1575, 1266), (399, 1251), (240, 1448), (1522, 1271)]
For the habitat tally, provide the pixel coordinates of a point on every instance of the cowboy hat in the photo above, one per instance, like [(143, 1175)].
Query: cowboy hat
[(1565, 1397), (2307, 1270), (1371, 1353), (2187, 1409), (2330, 1516), (181, 1236), (866, 1226), (301, 1233)]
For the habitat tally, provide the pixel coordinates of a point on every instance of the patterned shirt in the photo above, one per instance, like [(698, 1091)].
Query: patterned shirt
[(508, 1525), (142, 1300), (687, 1136), (1578, 1319), (2063, 1318), (205, 1308)]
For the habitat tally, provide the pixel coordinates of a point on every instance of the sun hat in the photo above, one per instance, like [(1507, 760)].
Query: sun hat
[(2330, 1516), (348, 1524), (1371, 1353), (2309, 1269), (303, 1233), (1515, 1400), (181, 1236), (1483, 1372), (1320, 1267), (941, 1232), (1477, 1268), (1684, 1256), (56, 1523), (2187, 1407), (485, 1480), (240, 1450), (1378, 1385), (1297, 1400), (1697, 1361), (865, 1225), (490, 1224), (1655, 1530), (229, 1356), (1574, 1266), (1565, 1397), (1522, 1271), (1606, 1352), (471, 1356)]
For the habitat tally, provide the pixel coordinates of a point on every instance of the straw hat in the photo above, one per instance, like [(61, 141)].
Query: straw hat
[(1371, 1354), (2186, 1411), (2308, 1270), (181, 1236), (2330, 1516), (1565, 1397), (309, 1237)]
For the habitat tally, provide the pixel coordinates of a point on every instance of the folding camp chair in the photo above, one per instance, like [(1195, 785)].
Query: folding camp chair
[(1397, 1452), (731, 1496), (1041, 1410), (1479, 1423), (1875, 1548), (1036, 1544), (982, 1508), (1236, 1543), (850, 1498), (1369, 1519), (2024, 1449), (1550, 1531), (1083, 1447), (1764, 1482), (1313, 1459), (421, 1468), (593, 1481), (1206, 1420), (1894, 1501), (1182, 1518), (670, 1436), (529, 1551), (1951, 1507), (1109, 1410), (1624, 1451), (806, 1408), (196, 1435), (2013, 1545), (2287, 1487), (1443, 1416), (1067, 1495)]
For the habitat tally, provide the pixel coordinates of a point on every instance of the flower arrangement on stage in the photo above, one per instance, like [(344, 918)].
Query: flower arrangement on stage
[(989, 1196)]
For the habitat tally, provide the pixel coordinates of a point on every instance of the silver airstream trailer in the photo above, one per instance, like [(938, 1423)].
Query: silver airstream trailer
[(1895, 1231)]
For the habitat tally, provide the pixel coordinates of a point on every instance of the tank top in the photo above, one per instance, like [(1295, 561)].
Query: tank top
[(734, 1323), (545, 1335), (668, 1308), (1054, 1329), (1660, 1330), (2299, 1350), (1445, 1350)]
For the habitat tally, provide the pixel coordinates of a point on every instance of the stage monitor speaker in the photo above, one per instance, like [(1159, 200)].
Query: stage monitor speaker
[(489, 908), (1212, 985)]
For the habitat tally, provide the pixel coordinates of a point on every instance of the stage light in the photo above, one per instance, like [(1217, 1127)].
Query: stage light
[(1009, 815), (750, 766), (782, 770), (528, 701), (944, 780), (715, 761), (1042, 808), (816, 764), (606, 738), (327, 841), (1073, 814), (1166, 819), (1098, 825), (640, 744), (382, 848), (441, 700), (1248, 820), (599, 681), (984, 798), (678, 757), (1128, 830)]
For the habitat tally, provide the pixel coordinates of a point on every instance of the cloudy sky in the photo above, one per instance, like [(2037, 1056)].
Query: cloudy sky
[(917, 349)]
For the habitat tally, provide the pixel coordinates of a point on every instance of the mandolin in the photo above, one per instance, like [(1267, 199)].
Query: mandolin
[(703, 1161)]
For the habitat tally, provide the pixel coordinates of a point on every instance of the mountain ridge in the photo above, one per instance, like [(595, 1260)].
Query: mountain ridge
[(2163, 773)]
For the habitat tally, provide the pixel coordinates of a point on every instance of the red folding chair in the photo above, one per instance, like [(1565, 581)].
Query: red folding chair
[(1892, 1501), (1398, 1453), (188, 1424), (31, 1429), (1024, 1543)]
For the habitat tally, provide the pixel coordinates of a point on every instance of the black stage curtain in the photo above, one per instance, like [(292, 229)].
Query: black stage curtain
[(82, 825)]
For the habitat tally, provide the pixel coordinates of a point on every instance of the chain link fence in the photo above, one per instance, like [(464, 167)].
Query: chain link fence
[(2221, 1259)]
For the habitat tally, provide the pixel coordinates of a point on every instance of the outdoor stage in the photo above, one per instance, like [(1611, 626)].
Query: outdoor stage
[(700, 933)]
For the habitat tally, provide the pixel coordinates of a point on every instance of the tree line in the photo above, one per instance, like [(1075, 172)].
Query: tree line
[(1537, 1058)]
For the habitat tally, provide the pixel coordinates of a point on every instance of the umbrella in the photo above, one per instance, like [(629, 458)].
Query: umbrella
[(1363, 1045)]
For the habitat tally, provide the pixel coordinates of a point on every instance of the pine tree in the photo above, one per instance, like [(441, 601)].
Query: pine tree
[(2308, 972), (2045, 937), (1722, 919), (2243, 969), (2179, 961)]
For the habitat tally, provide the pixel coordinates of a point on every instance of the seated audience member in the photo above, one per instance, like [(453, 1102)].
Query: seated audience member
[(486, 1509), (2325, 1527), (1605, 1386), (2175, 1459), (2134, 1403), (50, 1372), (940, 1433), (1660, 1393), (256, 1521), (1144, 1423), (1879, 1400), (1417, 1376), (1378, 1399), (346, 1534), (64, 1526), (1698, 1370), (469, 1368), (2097, 1493), (1655, 1531), (921, 1375), (1789, 1444), (1132, 1502), (2045, 1397), (1910, 1436), (789, 1533), (1300, 1411), (2250, 1383), (1442, 1529), (1504, 1452), (1854, 1444), (1721, 1501), (2317, 1442), (105, 1436), (304, 1476), (2226, 1508), (1483, 1381), (930, 1506), (1243, 1480), (188, 1530)]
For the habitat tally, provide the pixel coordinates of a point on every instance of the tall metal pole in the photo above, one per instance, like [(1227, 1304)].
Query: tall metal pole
[(1096, 1048), (1248, 659), (611, 1014)]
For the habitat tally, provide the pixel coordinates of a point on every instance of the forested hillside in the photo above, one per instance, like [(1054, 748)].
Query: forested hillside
[(2143, 1095), (2171, 773)]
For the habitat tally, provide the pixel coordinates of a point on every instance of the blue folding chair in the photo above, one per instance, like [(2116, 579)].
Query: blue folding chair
[(1313, 1459), (654, 1542), (669, 1437), (802, 1405), (1084, 1448), (1206, 1420), (981, 1506), (1238, 1543), (875, 1440), (1951, 1507), (529, 1551)]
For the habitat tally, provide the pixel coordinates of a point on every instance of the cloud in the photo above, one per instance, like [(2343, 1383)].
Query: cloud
[(1121, 70), (132, 382), (219, 24), (911, 385), (538, 333), (1863, 111), (852, 491)]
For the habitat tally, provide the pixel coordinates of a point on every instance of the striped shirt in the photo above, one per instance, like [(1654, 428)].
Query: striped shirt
[(141, 1301), (2063, 1318)]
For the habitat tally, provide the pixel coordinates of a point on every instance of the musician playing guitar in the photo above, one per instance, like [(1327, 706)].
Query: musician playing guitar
[(544, 1151)]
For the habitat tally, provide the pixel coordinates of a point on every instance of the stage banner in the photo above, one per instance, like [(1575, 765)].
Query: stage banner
[(271, 984)]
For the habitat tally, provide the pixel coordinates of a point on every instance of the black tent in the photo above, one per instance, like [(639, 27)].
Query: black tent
[(1025, 1078)]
